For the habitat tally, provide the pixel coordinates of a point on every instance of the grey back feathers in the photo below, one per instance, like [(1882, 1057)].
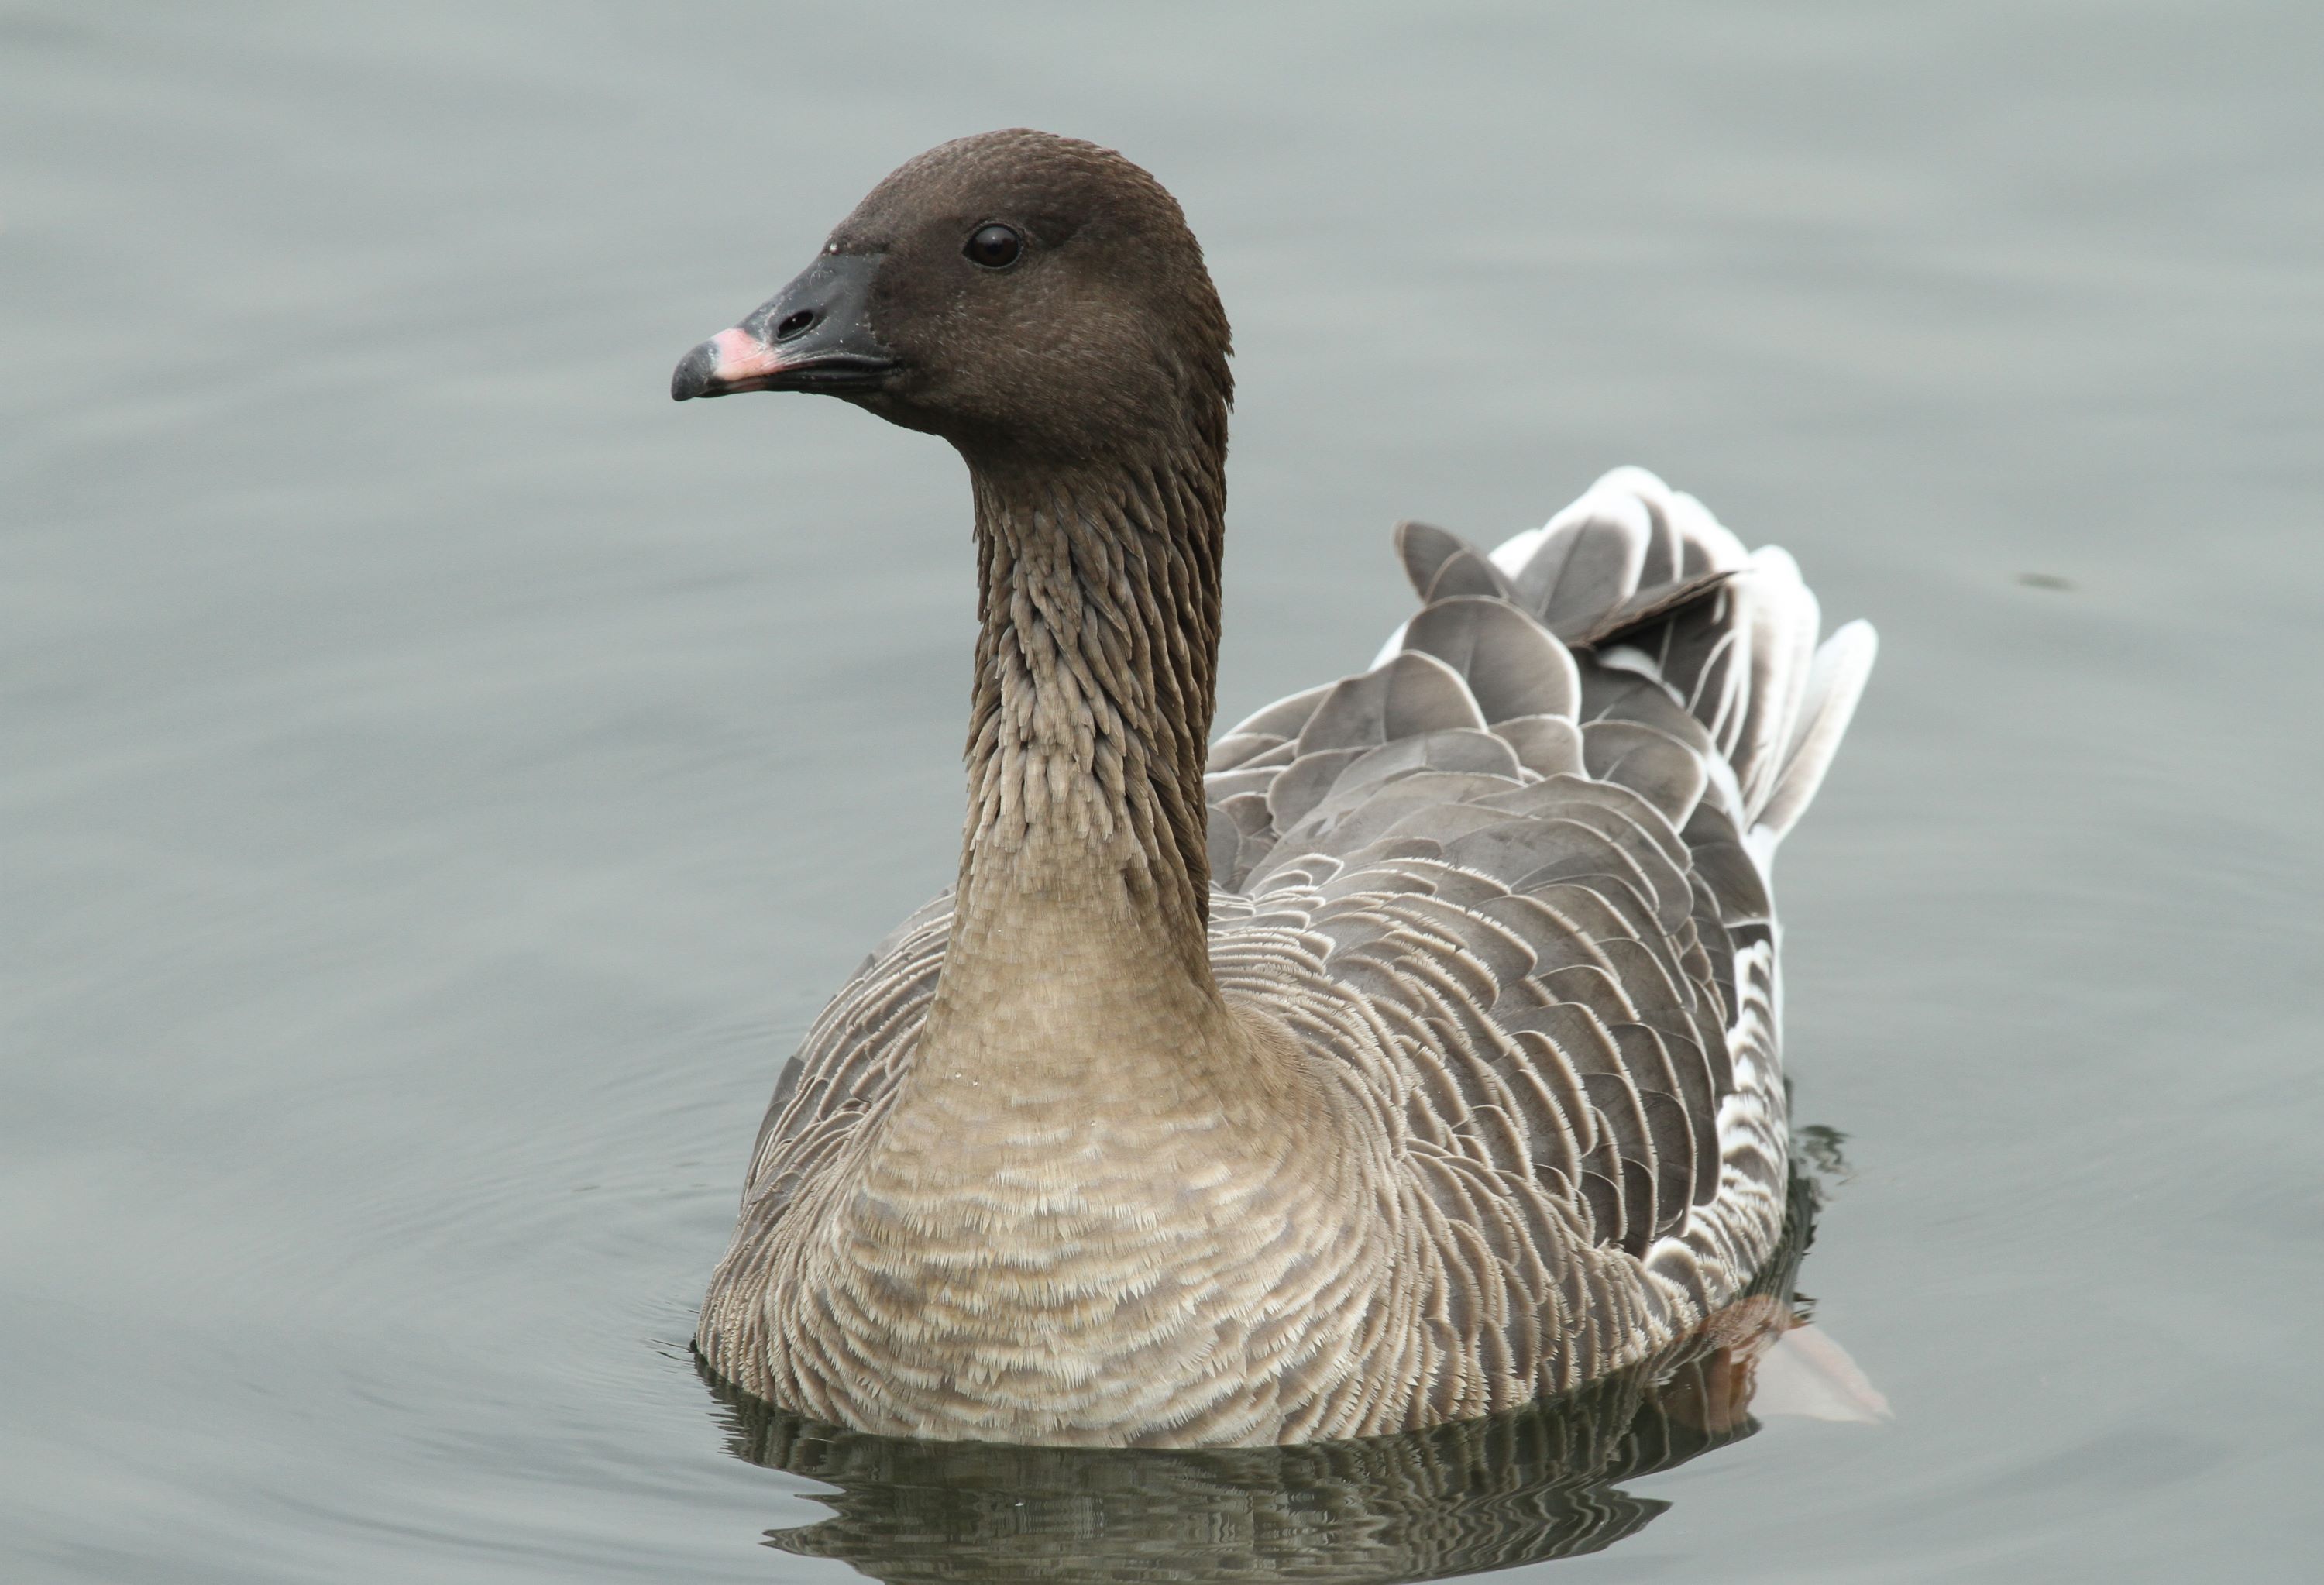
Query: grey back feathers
[(1544, 860)]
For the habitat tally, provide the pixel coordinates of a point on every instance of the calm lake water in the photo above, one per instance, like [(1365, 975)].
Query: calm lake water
[(442, 777)]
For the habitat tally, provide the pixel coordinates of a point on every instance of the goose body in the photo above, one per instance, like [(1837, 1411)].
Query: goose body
[(1406, 1055)]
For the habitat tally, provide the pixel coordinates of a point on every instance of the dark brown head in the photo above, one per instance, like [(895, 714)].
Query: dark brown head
[(1028, 297)]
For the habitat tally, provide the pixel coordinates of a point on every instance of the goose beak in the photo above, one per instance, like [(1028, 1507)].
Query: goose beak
[(814, 334)]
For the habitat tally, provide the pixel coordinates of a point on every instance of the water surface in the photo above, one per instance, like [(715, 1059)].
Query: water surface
[(442, 778)]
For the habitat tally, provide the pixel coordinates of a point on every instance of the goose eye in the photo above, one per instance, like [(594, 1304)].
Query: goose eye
[(995, 247)]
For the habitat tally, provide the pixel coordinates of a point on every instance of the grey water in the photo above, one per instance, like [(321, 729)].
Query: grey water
[(440, 778)]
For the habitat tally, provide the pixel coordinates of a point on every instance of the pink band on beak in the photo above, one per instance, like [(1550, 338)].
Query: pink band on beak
[(744, 362)]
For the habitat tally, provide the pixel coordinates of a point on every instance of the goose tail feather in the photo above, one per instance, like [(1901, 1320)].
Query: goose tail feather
[(1635, 581), (1644, 578)]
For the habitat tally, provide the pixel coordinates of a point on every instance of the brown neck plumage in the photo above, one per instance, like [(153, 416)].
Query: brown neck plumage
[(1085, 851)]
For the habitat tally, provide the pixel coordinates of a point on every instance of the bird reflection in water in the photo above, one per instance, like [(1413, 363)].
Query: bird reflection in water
[(1525, 1486)]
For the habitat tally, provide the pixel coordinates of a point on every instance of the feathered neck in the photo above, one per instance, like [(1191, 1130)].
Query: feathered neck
[(1084, 863)]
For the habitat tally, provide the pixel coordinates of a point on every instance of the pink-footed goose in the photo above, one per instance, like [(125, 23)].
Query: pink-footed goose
[(1406, 1055)]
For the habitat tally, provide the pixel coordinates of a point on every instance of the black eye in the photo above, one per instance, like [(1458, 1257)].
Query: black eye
[(995, 247)]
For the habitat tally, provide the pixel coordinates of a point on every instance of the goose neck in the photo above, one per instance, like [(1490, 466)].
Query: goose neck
[(1084, 850)]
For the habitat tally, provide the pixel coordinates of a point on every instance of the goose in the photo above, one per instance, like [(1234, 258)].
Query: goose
[(1406, 1055)]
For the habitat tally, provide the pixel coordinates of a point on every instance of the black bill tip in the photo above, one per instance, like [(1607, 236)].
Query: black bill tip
[(692, 376)]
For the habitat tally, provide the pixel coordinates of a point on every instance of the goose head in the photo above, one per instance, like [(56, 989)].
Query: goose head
[(1028, 297)]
